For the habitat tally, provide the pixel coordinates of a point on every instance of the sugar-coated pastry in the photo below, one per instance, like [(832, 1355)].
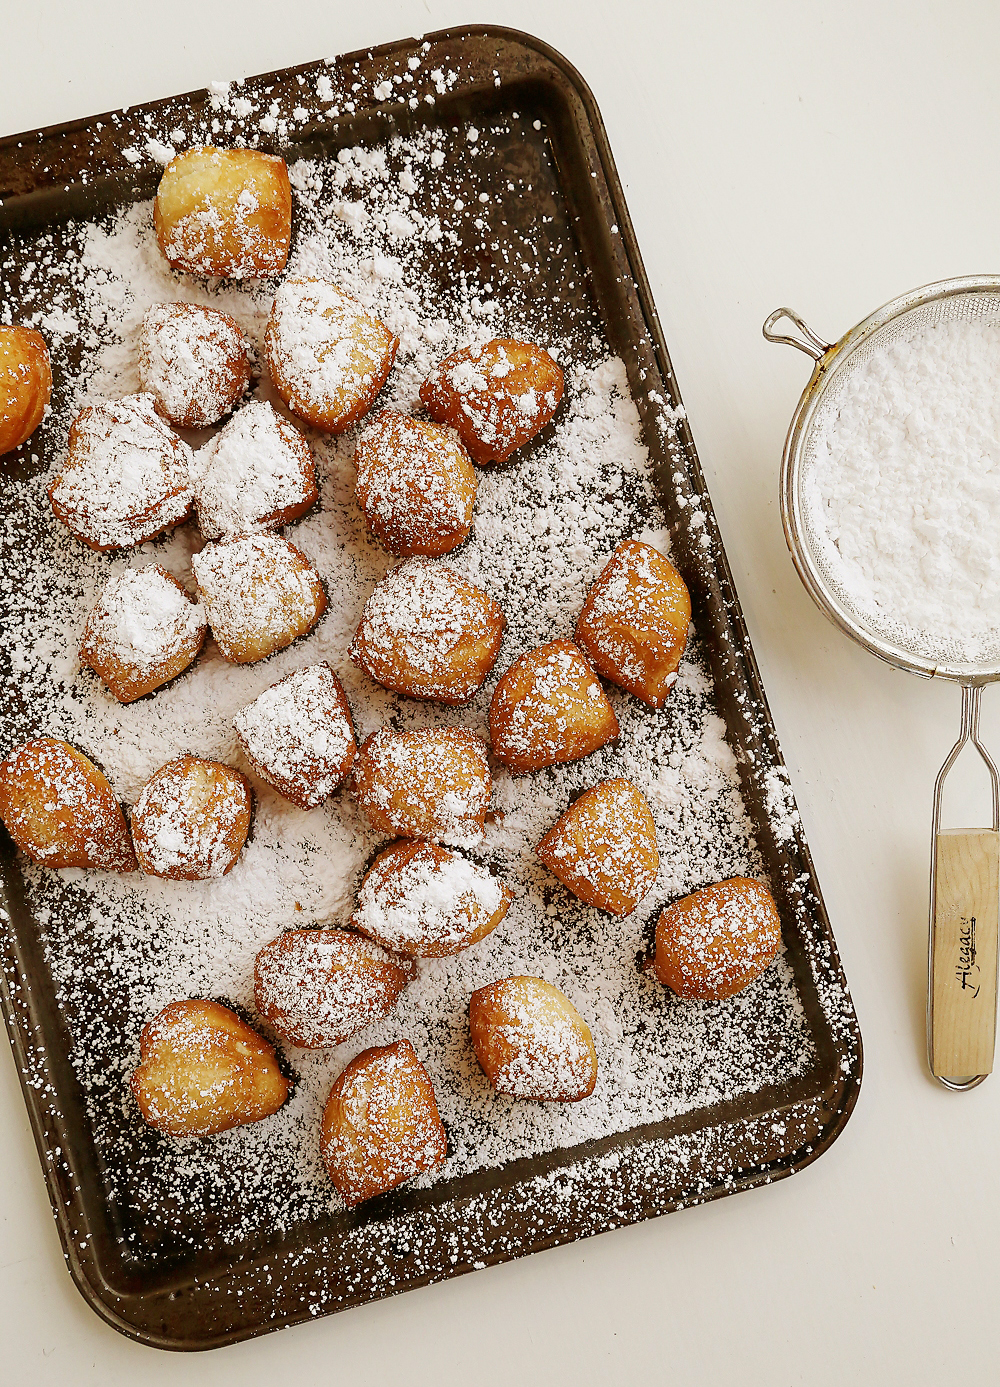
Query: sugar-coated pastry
[(497, 396), (548, 708), (203, 1070), (25, 384), (126, 477), (260, 594), (416, 486), (430, 783), (191, 819), (328, 358), (144, 630), (257, 473), (60, 810), (427, 632), (634, 623), (418, 898), (318, 987), (603, 848), (531, 1042), (194, 361), (224, 212), (381, 1124), (715, 942), (298, 735)]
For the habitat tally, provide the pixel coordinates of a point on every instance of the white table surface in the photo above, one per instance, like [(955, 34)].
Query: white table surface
[(823, 156)]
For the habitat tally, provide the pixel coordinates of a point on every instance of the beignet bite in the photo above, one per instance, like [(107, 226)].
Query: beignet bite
[(194, 361), (717, 941), (381, 1124), (497, 397), (25, 384), (418, 898), (202, 1070), (549, 708), (257, 473), (415, 485), (191, 819), (318, 987), (328, 358), (126, 478), (298, 735), (224, 212), (531, 1042), (634, 623), (603, 848), (60, 810), (427, 632), (260, 594), (431, 783), (144, 630)]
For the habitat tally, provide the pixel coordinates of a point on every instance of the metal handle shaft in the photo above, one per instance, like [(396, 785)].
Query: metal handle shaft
[(812, 345)]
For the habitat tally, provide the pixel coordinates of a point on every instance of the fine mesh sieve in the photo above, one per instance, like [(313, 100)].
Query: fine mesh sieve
[(965, 863)]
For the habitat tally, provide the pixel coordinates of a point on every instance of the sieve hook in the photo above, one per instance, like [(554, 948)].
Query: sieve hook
[(812, 346), (964, 919)]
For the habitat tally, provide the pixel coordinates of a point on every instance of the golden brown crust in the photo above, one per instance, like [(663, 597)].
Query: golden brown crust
[(381, 1124), (427, 632), (25, 384), (549, 708), (191, 819), (224, 212), (260, 594), (497, 397), (318, 987), (418, 898), (194, 361), (145, 629), (415, 485), (203, 1070), (715, 942), (531, 1042), (603, 848), (328, 358), (431, 783), (60, 810), (634, 623)]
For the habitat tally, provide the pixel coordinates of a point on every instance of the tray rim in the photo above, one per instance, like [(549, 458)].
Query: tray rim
[(65, 1195)]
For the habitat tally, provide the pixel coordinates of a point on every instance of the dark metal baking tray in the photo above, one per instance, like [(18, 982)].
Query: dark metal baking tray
[(413, 1237)]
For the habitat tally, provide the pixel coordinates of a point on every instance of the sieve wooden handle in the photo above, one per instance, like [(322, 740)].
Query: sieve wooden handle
[(965, 927)]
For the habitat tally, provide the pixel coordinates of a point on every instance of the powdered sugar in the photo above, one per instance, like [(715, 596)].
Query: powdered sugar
[(142, 619), (298, 735), (424, 900), (256, 473)]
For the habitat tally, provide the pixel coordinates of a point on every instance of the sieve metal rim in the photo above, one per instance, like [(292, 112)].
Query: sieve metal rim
[(829, 358)]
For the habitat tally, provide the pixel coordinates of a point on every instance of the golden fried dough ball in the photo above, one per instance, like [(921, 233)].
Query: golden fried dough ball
[(548, 708), (634, 623), (224, 212), (195, 362), (427, 632), (144, 630), (381, 1123), (328, 358), (497, 396), (257, 473), (432, 783), (126, 477), (298, 735), (203, 1070), (531, 1041), (421, 899), (715, 942), (25, 384), (416, 486), (318, 987), (60, 810), (603, 848), (260, 594), (191, 819)]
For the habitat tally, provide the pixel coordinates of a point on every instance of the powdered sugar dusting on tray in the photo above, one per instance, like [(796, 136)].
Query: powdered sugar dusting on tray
[(121, 948)]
